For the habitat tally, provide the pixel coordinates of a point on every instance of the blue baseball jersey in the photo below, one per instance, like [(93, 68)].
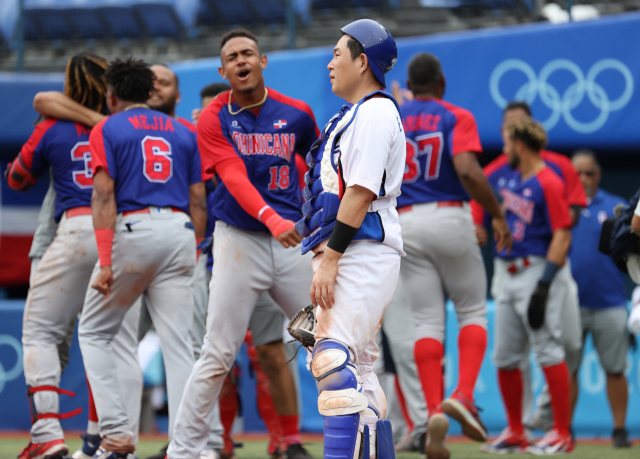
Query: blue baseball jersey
[(62, 146), (600, 283), (436, 131), (534, 208), (152, 158), (267, 142)]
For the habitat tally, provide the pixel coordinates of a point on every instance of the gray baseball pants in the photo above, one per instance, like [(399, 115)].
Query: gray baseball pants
[(156, 257)]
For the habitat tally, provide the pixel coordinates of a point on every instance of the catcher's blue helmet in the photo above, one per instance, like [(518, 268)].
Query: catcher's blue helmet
[(378, 44)]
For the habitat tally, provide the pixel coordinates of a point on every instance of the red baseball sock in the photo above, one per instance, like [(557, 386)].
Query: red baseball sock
[(511, 389), (559, 387), (92, 427), (428, 354), (472, 344), (290, 430)]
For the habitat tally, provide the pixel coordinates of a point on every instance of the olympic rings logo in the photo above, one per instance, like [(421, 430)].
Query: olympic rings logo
[(562, 106), (16, 371)]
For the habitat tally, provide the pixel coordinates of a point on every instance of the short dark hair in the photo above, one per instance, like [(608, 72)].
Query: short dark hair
[(235, 33), (517, 105), (213, 89), (589, 154), (130, 80), (175, 75), (424, 70), (355, 47), (84, 78)]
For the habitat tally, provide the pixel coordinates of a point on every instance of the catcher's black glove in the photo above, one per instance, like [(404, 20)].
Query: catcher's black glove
[(538, 305)]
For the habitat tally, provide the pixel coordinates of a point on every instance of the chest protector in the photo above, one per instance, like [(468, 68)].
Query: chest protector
[(325, 184)]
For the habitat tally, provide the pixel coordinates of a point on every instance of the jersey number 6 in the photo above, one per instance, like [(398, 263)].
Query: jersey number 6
[(158, 165), (430, 145)]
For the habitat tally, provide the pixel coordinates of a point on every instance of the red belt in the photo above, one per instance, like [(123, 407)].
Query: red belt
[(146, 211), (514, 266), (85, 210)]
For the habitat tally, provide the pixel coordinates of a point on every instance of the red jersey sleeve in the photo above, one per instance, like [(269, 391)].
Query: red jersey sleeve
[(301, 166), (555, 199), (214, 144), (99, 149), (576, 195), (29, 148), (465, 137)]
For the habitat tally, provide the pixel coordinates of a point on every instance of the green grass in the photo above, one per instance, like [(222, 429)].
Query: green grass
[(252, 449)]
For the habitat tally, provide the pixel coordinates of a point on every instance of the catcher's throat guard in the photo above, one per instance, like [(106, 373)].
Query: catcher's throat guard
[(303, 327)]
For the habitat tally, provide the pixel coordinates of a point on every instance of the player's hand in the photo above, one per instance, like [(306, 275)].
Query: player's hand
[(289, 238), (400, 94), (482, 235), (103, 281), (195, 114), (324, 280), (502, 234), (538, 305)]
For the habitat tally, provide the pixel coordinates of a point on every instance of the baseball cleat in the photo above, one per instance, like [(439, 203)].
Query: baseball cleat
[(55, 449), (620, 438), (437, 429), (508, 442), (296, 451), (90, 444), (209, 453), (466, 413), (104, 454), (552, 443)]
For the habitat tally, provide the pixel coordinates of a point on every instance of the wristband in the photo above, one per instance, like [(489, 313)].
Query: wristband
[(276, 224), (550, 270), (341, 236), (104, 240)]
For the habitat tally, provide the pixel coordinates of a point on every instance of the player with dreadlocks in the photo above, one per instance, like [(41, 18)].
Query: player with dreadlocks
[(62, 275)]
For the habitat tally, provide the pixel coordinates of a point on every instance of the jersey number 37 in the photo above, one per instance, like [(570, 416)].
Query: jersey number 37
[(429, 145)]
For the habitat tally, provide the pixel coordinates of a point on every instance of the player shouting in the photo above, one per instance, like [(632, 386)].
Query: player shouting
[(351, 225), (62, 276), (443, 257), (147, 182), (248, 136), (529, 307)]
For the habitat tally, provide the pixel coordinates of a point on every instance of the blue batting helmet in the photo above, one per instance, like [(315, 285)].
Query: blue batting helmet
[(378, 44)]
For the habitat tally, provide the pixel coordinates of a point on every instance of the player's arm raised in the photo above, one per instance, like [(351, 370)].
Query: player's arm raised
[(475, 182), (353, 209), (55, 104)]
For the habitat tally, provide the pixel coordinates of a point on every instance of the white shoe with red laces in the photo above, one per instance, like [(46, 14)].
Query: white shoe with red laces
[(50, 449), (508, 442), (553, 443)]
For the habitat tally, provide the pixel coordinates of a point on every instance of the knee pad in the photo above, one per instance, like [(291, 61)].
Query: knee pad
[(340, 390)]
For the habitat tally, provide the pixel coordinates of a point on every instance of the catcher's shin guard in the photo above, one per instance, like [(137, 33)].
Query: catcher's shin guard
[(385, 448), (341, 400)]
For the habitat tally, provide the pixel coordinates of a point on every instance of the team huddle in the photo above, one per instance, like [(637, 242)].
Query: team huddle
[(199, 225)]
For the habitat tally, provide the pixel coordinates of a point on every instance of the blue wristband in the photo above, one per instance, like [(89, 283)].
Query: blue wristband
[(550, 270)]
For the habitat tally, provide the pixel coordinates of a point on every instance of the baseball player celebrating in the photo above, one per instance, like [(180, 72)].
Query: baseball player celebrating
[(443, 257), (147, 181), (351, 225), (248, 136), (62, 276), (529, 308), (499, 170)]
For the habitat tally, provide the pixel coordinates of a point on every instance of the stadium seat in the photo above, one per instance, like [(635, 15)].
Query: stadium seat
[(235, 12), (86, 22), (206, 14), (121, 22), (159, 20), (270, 11), (32, 30), (54, 24), (366, 3), (328, 4)]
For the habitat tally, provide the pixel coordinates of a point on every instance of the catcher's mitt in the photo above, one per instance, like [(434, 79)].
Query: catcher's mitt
[(303, 326)]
